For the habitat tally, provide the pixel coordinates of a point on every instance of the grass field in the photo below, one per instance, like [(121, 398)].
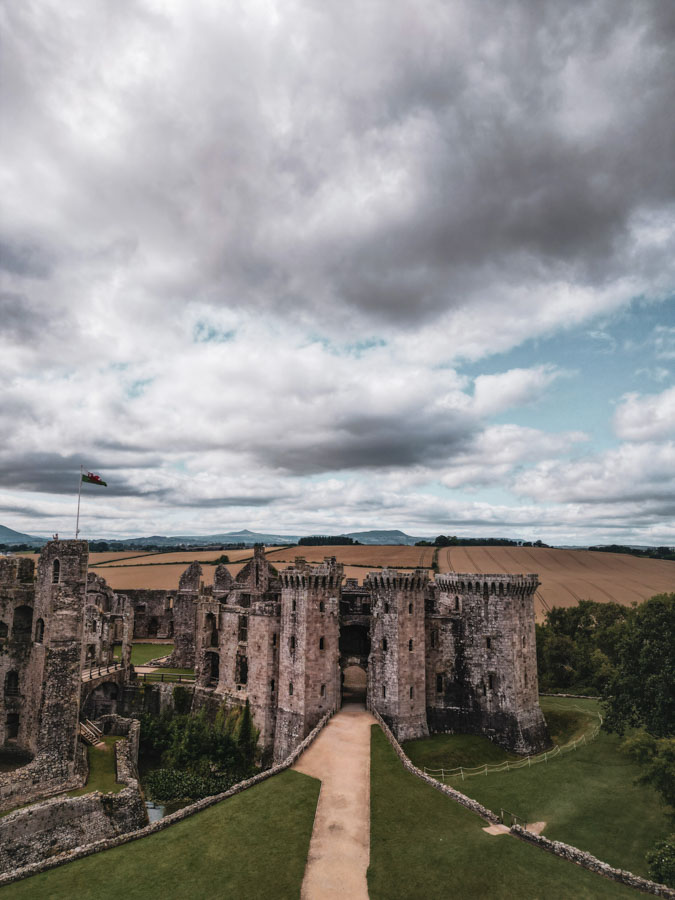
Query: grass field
[(142, 653), (253, 845), (425, 846), (102, 772), (587, 797)]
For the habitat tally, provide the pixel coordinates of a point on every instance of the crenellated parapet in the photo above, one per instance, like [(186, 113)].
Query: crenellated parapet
[(493, 585)]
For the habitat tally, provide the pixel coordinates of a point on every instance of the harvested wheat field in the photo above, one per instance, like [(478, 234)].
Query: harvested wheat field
[(181, 556), (568, 576), (360, 555), (154, 577), (95, 559)]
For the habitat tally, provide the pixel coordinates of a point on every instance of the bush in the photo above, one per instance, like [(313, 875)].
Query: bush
[(661, 862)]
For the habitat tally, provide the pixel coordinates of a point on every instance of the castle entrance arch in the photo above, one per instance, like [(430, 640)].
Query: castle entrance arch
[(354, 652)]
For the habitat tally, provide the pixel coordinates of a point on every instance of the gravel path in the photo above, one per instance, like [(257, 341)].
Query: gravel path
[(339, 851)]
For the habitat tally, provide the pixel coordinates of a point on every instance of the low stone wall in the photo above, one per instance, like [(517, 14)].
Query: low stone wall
[(47, 774), (473, 805), (570, 696), (580, 857), (106, 843), (33, 835)]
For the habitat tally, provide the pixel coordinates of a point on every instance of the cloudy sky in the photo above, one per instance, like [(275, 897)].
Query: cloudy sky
[(312, 267)]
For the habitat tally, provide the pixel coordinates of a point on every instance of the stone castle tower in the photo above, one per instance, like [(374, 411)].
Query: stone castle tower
[(452, 655)]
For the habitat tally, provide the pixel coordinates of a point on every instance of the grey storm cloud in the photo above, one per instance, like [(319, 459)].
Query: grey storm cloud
[(394, 164)]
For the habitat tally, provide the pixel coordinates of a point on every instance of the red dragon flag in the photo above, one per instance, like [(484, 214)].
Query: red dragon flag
[(90, 478)]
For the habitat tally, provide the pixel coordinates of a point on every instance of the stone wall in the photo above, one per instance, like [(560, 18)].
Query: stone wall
[(153, 613), (91, 847), (47, 829)]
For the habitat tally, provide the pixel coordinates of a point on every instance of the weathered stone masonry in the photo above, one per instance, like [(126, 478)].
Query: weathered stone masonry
[(454, 654)]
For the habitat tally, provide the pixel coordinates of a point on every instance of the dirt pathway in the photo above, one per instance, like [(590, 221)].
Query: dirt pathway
[(339, 851)]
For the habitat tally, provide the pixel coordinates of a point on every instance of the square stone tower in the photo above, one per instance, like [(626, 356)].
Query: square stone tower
[(396, 667), (309, 672)]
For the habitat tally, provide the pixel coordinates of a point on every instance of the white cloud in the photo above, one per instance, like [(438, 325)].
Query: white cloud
[(646, 417), (496, 393)]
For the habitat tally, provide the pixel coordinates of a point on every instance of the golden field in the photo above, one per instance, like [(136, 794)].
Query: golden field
[(566, 576)]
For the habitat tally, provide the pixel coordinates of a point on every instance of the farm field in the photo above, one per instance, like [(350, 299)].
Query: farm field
[(182, 556), (567, 576), (154, 577), (367, 555), (587, 797), (424, 845)]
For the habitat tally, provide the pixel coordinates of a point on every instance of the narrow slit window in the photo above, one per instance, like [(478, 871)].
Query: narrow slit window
[(410, 644), (439, 684), (321, 643), (323, 690)]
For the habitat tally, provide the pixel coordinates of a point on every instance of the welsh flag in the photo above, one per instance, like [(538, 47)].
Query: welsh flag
[(90, 478)]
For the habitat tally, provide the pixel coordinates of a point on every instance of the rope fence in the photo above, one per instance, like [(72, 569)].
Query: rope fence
[(528, 761)]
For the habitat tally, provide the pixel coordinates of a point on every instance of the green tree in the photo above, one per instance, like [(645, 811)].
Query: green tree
[(246, 735), (661, 861), (657, 758), (641, 693)]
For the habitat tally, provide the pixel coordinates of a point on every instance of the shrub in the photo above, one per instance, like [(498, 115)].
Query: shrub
[(661, 862)]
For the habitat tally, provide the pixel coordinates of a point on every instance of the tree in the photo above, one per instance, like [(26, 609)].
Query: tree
[(641, 692), (247, 736), (661, 862), (657, 758)]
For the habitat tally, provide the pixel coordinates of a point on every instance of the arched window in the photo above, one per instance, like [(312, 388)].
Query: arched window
[(39, 631), (12, 684), (411, 691), (290, 688), (410, 608), (323, 690), (321, 643), (56, 571)]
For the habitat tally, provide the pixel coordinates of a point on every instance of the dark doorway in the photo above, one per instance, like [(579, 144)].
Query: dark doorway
[(354, 685), (212, 669), (153, 627)]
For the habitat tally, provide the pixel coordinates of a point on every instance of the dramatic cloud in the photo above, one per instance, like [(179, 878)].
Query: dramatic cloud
[(286, 264)]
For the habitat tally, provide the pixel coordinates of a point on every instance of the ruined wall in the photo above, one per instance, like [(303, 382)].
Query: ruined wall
[(309, 673), (396, 667), (481, 659), (184, 617), (54, 826), (153, 613)]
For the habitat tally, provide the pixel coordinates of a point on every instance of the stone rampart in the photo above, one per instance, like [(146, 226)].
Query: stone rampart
[(41, 778), (38, 833)]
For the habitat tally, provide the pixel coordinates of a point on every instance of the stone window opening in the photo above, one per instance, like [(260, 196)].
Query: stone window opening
[(501, 588), (274, 639), (386, 607), (22, 624), (410, 609), (456, 603), (293, 607), (12, 728), (525, 678), (410, 644), (290, 688), (321, 643), (241, 669), (384, 690), (211, 630), (292, 644), (323, 690), (322, 606), (523, 640), (212, 666), (4, 631), (491, 681), (140, 608), (243, 629), (56, 572), (384, 644), (439, 684), (12, 684), (411, 691), (488, 643), (434, 638), (272, 686)]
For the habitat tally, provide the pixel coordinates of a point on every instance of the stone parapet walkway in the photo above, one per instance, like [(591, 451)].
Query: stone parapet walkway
[(339, 852)]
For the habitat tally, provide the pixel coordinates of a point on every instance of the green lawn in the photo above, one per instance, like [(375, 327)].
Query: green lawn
[(252, 846), (143, 653), (425, 846), (587, 797), (102, 772)]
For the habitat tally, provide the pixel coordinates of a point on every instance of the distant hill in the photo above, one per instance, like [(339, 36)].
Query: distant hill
[(383, 537), (9, 536), (231, 537)]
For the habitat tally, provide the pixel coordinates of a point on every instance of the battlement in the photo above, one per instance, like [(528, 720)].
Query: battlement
[(301, 574), (494, 585), (392, 579)]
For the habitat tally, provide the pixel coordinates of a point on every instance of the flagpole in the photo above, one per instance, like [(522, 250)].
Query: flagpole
[(79, 494)]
